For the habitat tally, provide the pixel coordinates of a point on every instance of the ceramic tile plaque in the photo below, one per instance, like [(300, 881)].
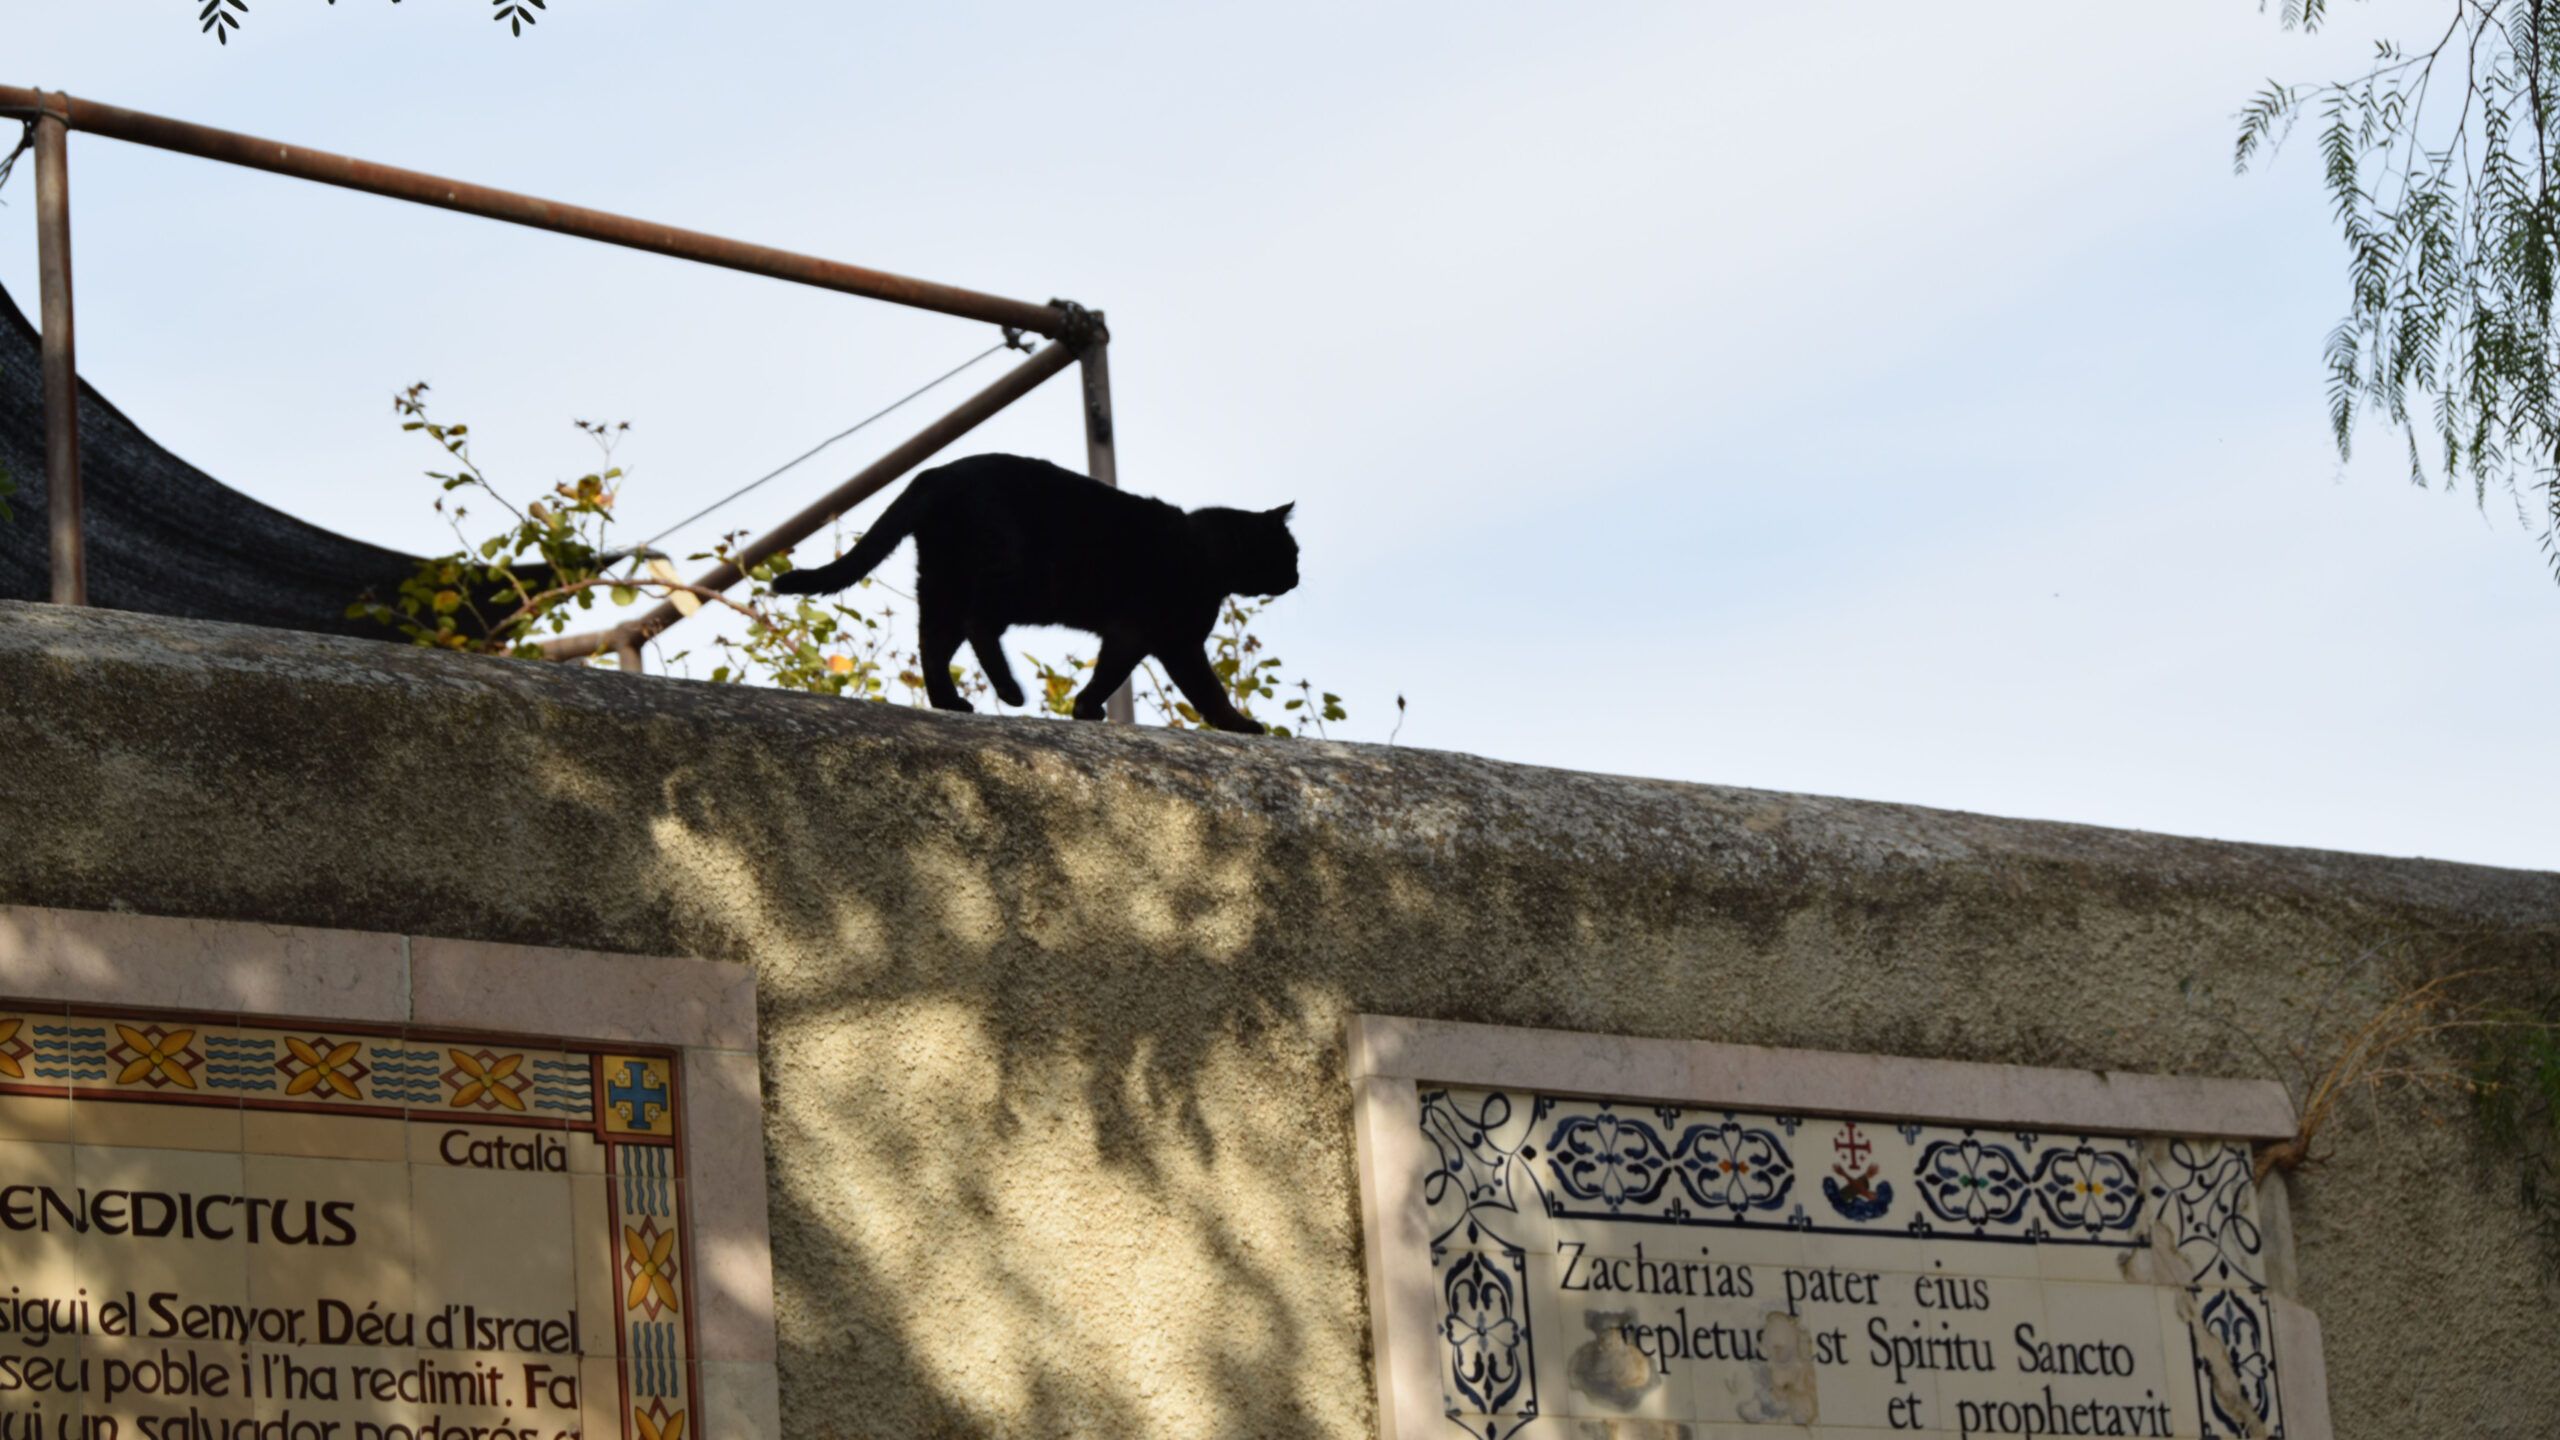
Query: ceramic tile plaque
[(222, 1224), (214, 1230), (1570, 1262)]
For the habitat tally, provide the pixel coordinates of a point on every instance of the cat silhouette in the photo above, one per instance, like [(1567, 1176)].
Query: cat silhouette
[(1002, 540)]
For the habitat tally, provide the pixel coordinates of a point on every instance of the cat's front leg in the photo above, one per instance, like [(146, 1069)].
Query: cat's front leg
[(1200, 685)]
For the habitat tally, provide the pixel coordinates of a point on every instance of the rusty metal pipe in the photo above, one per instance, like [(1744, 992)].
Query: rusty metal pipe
[(1101, 455), (233, 148), (1102, 462), (866, 482), (61, 368)]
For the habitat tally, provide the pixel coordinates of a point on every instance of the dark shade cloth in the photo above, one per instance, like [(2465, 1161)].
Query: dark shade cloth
[(165, 538)]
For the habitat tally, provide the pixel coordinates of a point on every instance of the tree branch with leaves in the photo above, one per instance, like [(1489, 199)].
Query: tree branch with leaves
[(218, 18), (2438, 160)]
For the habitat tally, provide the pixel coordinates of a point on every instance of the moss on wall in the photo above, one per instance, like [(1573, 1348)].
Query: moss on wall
[(1058, 1127)]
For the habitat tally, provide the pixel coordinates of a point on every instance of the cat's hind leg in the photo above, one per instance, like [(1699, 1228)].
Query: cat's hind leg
[(938, 639), (987, 638)]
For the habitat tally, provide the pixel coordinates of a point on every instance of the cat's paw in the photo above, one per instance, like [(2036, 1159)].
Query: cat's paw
[(1008, 689)]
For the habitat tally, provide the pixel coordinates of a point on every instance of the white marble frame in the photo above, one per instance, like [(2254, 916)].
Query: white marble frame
[(1390, 1058), (705, 1010)]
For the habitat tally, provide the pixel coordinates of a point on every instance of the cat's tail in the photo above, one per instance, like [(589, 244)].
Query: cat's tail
[(895, 524)]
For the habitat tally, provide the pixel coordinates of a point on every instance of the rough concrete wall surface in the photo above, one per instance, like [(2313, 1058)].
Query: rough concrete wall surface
[(1058, 1125)]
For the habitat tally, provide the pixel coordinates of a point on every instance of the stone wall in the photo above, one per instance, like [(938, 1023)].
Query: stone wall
[(1053, 1014)]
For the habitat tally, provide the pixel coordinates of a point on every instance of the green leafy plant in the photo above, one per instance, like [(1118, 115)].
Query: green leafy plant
[(2438, 159), (505, 592)]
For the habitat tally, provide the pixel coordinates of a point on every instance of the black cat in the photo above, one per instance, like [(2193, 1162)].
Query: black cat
[(1002, 540)]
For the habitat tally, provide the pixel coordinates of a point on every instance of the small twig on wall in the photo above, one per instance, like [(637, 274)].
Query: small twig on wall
[(2383, 1050), (2433, 1015), (2488, 1035)]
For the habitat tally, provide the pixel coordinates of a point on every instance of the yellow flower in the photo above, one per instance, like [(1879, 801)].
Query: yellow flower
[(486, 1080), (166, 1055), (670, 1428), (322, 1069), (652, 1267), (841, 664), (9, 1063)]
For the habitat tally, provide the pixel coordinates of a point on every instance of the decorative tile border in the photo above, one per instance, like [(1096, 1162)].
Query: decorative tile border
[(1724, 1168), (97, 1053), (1464, 1170), (653, 1057)]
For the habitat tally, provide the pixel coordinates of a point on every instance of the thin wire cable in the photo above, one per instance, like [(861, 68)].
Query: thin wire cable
[(26, 142), (893, 406)]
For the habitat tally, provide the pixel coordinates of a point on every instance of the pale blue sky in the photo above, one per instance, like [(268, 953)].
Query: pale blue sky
[(1870, 399)]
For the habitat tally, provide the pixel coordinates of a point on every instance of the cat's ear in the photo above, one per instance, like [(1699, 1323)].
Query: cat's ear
[(1281, 513)]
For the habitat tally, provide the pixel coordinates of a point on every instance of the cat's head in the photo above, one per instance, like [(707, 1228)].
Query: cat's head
[(1251, 552)]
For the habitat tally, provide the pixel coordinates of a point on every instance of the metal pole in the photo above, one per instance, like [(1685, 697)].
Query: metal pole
[(1102, 462), (231, 147), (866, 482), (61, 372)]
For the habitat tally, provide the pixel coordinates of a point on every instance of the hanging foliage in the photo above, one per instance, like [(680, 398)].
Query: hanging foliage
[(2439, 166), (218, 18)]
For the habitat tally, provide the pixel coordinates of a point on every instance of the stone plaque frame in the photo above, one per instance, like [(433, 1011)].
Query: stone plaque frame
[(1395, 1064), (683, 1029)]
